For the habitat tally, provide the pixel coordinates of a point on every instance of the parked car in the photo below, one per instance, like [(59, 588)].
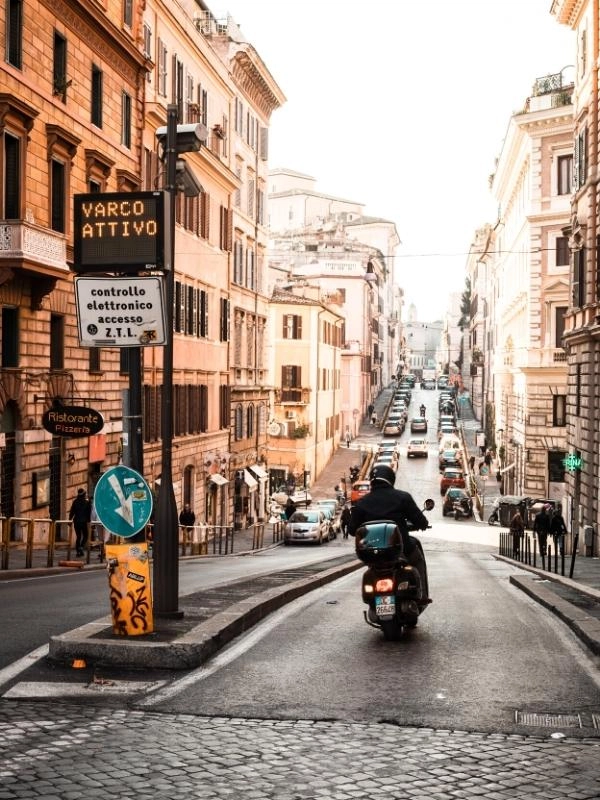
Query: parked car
[(393, 427), (449, 442), (449, 458), (306, 525), (428, 384), (388, 445), (418, 425), (454, 494), (359, 488), (331, 510), (447, 430), (452, 476), (387, 459), (417, 447)]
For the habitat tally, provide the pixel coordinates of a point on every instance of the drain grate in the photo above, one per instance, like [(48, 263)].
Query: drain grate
[(548, 720)]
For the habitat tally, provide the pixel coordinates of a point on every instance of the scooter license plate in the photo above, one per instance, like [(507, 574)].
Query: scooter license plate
[(385, 606)]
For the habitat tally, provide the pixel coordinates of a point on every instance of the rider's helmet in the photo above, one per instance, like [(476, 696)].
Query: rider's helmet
[(382, 474)]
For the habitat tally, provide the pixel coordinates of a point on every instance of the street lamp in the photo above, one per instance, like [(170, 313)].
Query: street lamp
[(175, 139)]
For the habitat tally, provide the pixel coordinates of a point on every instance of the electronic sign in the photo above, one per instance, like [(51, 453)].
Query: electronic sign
[(118, 232)]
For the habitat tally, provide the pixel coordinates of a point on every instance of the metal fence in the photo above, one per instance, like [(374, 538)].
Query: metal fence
[(27, 543), (552, 558)]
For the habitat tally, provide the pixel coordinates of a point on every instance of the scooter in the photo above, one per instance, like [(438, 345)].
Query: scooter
[(463, 508), (494, 517), (391, 587)]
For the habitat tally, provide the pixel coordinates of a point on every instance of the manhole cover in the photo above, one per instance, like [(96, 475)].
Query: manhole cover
[(548, 720)]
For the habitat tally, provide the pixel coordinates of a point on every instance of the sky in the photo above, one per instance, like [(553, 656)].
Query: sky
[(403, 105)]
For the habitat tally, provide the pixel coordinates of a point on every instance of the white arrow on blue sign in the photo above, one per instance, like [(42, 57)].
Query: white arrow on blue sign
[(123, 501)]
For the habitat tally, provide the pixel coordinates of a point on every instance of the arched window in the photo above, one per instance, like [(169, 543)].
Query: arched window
[(239, 422), (250, 420)]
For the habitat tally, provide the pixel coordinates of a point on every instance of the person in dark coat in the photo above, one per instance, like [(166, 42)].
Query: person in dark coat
[(187, 518), (541, 527), (345, 517), (558, 529), (290, 507), (386, 502), (517, 529), (80, 514)]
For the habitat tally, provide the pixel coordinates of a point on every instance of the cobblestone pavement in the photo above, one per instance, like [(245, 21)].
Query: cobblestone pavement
[(62, 751)]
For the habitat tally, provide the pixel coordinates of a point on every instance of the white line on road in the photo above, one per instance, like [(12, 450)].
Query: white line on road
[(8, 673)]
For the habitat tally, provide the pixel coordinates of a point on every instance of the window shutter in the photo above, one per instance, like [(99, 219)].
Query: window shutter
[(264, 144)]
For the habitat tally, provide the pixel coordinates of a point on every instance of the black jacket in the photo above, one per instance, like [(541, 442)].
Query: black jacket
[(81, 510), (384, 502)]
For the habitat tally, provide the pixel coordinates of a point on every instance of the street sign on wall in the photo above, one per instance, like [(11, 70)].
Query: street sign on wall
[(120, 312), (118, 232)]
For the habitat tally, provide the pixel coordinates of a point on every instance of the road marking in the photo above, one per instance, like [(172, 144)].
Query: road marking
[(29, 690), (239, 646), (8, 673)]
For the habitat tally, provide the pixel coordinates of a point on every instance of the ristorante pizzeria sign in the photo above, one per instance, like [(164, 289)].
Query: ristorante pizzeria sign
[(118, 232), (72, 421)]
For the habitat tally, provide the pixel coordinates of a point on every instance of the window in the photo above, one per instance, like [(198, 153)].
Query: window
[(9, 337), (564, 174), (290, 377), (224, 406), (556, 466), (562, 251), (559, 325), (162, 68), (96, 96), (147, 44), (57, 196), (250, 421), (94, 359), (224, 320), (126, 120), (580, 160), (239, 422), (124, 360), (292, 326), (14, 33), (57, 341), (578, 390), (578, 281), (12, 174), (60, 83), (128, 13), (559, 410)]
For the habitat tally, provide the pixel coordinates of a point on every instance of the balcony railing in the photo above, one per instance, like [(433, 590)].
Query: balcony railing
[(25, 241), (295, 396)]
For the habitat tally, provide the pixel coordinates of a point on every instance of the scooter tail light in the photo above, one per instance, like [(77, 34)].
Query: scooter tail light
[(384, 585)]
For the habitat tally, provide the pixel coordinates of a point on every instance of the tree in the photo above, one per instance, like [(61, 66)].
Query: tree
[(465, 306)]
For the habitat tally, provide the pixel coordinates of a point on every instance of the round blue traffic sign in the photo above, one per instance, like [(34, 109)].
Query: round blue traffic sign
[(123, 501)]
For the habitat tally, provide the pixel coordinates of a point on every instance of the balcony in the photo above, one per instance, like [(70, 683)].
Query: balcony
[(27, 245), (292, 396)]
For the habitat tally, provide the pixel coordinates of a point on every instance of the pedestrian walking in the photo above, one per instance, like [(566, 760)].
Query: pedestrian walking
[(558, 530), (345, 520), (472, 463), (348, 436), (187, 518), (374, 418), (541, 527), (80, 514), (370, 409), (517, 529), (488, 459)]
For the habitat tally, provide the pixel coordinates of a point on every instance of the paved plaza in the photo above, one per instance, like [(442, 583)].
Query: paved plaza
[(63, 751)]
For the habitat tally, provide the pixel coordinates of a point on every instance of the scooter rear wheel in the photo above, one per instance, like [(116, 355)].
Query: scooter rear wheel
[(392, 631)]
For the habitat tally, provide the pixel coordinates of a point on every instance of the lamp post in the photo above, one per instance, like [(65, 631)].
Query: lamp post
[(176, 139)]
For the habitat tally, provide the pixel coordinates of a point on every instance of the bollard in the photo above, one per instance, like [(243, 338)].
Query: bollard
[(574, 554)]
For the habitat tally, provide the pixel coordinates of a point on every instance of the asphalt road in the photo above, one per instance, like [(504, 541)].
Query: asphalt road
[(489, 697)]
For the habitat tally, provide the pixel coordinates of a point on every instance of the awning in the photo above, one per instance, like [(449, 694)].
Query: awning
[(507, 469), (217, 478), (260, 473), (250, 482)]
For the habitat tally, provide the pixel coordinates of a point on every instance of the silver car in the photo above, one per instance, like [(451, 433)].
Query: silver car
[(308, 525)]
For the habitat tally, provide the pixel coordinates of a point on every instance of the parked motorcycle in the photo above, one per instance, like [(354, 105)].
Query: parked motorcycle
[(494, 517), (391, 587), (463, 507)]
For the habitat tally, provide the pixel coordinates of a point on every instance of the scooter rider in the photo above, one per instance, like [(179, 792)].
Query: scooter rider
[(386, 502)]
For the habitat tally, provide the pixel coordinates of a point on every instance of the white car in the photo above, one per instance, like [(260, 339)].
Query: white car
[(417, 447)]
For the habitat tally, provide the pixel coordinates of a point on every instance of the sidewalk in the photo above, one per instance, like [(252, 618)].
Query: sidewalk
[(575, 601)]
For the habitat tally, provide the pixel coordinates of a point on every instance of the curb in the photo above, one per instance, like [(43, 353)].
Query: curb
[(190, 649), (584, 626)]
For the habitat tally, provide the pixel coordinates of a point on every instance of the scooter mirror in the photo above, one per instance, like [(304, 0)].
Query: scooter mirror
[(429, 504)]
